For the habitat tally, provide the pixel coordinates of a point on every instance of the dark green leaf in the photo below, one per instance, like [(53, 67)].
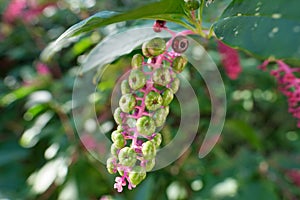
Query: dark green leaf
[(267, 29)]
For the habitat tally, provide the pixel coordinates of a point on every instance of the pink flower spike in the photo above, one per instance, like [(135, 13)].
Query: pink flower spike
[(289, 85), (264, 65), (230, 60)]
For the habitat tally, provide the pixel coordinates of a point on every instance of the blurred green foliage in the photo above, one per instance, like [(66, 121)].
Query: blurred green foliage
[(41, 156)]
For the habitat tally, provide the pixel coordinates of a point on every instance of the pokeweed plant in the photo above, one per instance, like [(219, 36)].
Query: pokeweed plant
[(267, 30)]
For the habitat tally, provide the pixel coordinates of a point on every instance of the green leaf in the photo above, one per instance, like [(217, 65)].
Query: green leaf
[(114, 46), (245, 131), (266, 29), (171, 10)]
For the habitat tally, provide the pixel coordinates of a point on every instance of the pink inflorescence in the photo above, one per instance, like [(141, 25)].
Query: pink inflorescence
[(230, 60), (288, 84), (143, 108), (24, 10), (294, 175)]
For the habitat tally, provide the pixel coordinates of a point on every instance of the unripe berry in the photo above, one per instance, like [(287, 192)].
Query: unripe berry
[(179, 64), (162, 76), (167, 109), (127, 103), (136, 175), (137, 79), (137, 61), (157, 139), (175, 85), (154, 47), (145, 126), (153, 100), (131, 122), (148, 150), (167, 97), (125, 88), (159, 117), (117, 115), (120, 128), (114, 150), (118, 139), (127, 157), (121, 172), (180, 44), (145, 50), (150, 164), (192, 5), (110, 165)]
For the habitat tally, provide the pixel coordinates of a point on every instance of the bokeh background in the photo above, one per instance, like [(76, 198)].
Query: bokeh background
[(43, 157)]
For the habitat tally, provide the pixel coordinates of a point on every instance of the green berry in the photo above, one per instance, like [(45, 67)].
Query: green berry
[(179, 64), (192, 5), (162, 76), (121, 172), (110, 165), (118, 139), (127, 103), (167, 97), (149, 165), (117, 115), (120, 128), (136, 175), (145, 126), (148, 150), (153, 101), (175, 85), (157, 140), (137, 79), (131, 122), (167, 109), (137, 61), (127, 157), (159, 117), (125, 88), (145, 50), (114, 150), (154, 47)]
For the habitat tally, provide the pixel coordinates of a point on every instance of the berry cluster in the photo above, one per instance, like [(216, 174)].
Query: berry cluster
[(143, 108)]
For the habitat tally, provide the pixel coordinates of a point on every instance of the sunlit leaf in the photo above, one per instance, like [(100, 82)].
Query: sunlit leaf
[(171, 10)]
